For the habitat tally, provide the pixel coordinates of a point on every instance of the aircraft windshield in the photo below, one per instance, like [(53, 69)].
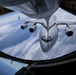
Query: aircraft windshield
[(25, 45)]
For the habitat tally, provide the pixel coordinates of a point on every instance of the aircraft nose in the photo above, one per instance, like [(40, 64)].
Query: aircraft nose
[(45, 50), (45, 47)]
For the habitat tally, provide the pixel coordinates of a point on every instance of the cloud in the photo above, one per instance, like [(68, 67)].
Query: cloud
[(63, 15)]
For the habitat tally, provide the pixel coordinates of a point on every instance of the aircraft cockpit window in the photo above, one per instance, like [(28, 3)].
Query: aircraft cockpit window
[(46, 40), (25, 45)]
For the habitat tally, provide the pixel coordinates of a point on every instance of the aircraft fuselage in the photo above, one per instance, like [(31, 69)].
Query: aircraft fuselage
[(48, 36)]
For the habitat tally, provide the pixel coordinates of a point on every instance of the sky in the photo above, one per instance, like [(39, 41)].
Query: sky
[(25, 45)]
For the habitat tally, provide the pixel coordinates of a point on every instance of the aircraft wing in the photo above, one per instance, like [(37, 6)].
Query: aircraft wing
[(66, 22), (32, 20), (35, 21)]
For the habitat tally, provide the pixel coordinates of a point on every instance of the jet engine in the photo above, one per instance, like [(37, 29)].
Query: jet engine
[(24, 25), (68, 31), (33, 28)]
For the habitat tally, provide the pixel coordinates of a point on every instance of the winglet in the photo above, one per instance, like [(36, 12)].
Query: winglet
[(18, 17)]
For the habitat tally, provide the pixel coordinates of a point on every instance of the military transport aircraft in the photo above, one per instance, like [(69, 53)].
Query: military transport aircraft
[(39, 9)]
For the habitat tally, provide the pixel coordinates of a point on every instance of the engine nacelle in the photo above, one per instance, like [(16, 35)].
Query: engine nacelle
[(24, 25), (33, 28), (68, 32)]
